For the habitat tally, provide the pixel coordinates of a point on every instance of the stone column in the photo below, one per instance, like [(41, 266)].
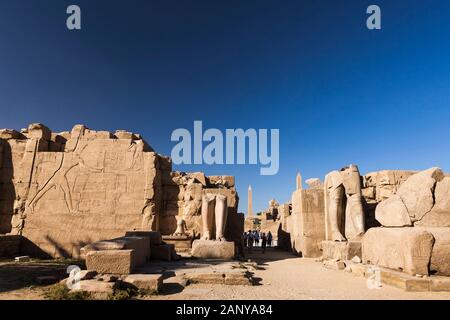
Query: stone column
[(220, 213), (250, 204), (208, 203), (299, 181)]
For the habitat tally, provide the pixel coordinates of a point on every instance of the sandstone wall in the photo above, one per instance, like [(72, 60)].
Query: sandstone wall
[(64, 190), (308, 222)]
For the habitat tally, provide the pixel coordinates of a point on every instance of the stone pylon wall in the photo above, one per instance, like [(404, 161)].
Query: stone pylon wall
[(62, 191)]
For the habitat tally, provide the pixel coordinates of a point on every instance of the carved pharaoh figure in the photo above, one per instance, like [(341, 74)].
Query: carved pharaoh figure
[(214, 216), (343, 188)]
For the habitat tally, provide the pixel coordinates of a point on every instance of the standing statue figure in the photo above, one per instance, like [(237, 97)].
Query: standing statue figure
[(340, 187), (214, 209)]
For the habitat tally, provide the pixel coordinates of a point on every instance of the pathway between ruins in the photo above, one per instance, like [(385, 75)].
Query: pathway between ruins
[(289, 277), (283, 276)]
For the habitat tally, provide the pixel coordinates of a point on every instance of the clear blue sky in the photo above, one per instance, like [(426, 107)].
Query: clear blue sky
[(338, 92)]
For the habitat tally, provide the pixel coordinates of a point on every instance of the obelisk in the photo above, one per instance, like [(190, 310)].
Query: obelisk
[(299, 181), (250, 204)]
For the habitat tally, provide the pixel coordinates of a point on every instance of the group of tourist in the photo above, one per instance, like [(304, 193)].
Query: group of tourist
[(256, 238)]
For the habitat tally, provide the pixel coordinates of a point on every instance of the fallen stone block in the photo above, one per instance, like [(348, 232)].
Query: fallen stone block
[(86, 274), (209, 249), (393, 213), (101, 246), (241, 278), (108, 278), (334, 264), (215, 277), (181, 243), (417, 192), (346, 250), (151, 283), (439, 283), (404, 281), (440, 256), (402, 249), (155, 237), (98, 289), (111, 261), (140, 245)]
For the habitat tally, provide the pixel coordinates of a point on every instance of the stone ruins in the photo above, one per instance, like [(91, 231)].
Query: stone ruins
[(390, 224), (110, 200), (62, 191)]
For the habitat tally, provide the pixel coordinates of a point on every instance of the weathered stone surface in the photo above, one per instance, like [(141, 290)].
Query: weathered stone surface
[(148, 282), (180, 243), (439, 216), (334, 264), (227, 181), (111, 261), (440, 283), (440, 256), (99, 289), (140, 245), (81, 186), (209, 249), (393, 213), (235, 277), (39, 131), (308, 222), (7, 134), (403, 249), (417, 192), (86, 274), (314, 183), (383, 184), (341, 250), (404, 281), (155, 237), (107, 277), (442, 195)]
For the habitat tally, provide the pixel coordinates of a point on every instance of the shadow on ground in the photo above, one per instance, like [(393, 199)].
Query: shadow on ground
[(14, 275)]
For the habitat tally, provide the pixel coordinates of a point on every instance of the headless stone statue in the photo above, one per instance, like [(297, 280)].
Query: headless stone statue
[(340, 186), (214, 216)]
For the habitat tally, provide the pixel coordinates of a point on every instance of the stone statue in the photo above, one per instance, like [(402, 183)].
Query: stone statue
[(342, 187), (181, 228), (214, 214)]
